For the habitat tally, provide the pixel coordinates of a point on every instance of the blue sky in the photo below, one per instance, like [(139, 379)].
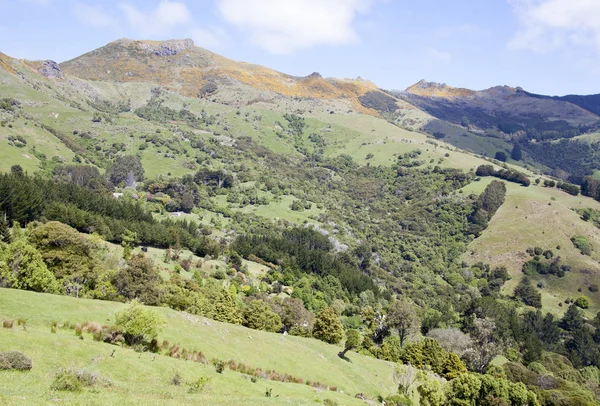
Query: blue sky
[(544, 46)]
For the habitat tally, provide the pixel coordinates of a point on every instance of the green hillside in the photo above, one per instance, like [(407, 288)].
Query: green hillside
[(144, 378), (275, 221)]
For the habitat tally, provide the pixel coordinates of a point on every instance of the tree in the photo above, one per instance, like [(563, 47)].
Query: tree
[(485, 347), (127, 169), (453, 366), (259, 316), (430, 391), (294, 316), (464, 390), (572, 319), (405, 377), (67, 253), (500, 156), (139, 280), (528, 293), (17, 170), (140, 323), (129, 238), (328, 326), (403, 318), (187, 202), (4, 230), (353, 340), (22, 267), (225, 308), (516, 153)]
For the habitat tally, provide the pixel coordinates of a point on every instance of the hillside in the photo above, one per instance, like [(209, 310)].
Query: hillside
[(312, 210), (300, 357), (192, 71)]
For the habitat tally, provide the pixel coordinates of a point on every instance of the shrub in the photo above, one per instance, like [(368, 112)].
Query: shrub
[(176, 380), (537, 368), (197, 385), (15, 360), (8, 323), (219, 365), (582, 244), (65, 381), (398, 400), (582, 302), (139, 322), (593, 288), (74, 380)]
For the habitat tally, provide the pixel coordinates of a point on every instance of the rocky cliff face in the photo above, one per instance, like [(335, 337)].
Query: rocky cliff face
[(50, 69)]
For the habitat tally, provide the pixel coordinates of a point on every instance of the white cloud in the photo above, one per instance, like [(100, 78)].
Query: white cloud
[(283, 26), (547, 25), (160, 21), (91, 15), (438, 55)]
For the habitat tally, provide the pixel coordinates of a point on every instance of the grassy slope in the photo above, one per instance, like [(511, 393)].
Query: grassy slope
[(144, 378), (528, 218)]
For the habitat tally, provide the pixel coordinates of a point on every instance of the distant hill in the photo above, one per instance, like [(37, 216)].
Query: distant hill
[(505, 109)]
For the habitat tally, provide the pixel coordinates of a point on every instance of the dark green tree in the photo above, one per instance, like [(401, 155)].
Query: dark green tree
[(572, 319), (17, 170), (516, 153), (126, 170), (4, 230), (527, 293), (139, 280), (501, 156)]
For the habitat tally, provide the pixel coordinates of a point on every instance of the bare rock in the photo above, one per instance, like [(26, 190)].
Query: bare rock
[(50, 69)]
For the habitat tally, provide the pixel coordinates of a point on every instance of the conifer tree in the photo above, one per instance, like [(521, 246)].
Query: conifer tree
[(572, 319), (4, 230)]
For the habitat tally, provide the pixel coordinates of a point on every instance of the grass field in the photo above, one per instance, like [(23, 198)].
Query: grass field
[(143, 378)]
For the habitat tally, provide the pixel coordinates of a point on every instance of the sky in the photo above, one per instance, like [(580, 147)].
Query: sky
[(545, 46)]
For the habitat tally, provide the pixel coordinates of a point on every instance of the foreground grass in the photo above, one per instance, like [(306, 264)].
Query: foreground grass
[(143, 378)]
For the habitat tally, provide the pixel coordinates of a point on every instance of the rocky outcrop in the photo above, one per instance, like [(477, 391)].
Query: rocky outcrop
[(50, 69), (168, 48)]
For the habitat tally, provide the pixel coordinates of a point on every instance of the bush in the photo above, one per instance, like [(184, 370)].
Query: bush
[(198, 385), (176, 380), (74, 380), (582, 244), (140, 323), (65, 381), (582, 302), (398, 400), (537, 368), (8, 323), (15, 360), (219, 365), (593, 288)]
